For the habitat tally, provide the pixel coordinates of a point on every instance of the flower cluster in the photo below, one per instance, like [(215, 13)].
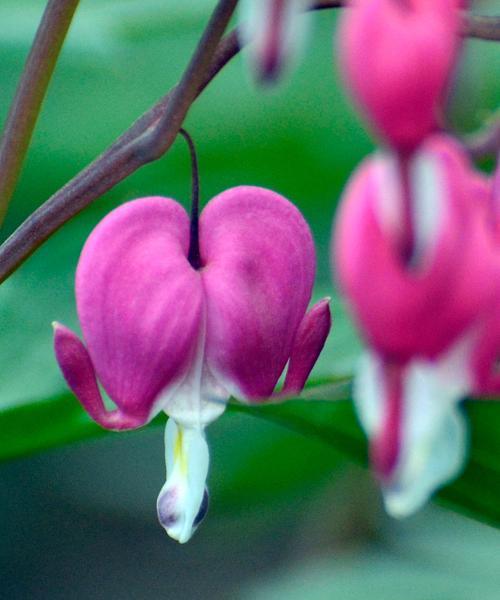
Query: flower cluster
[(416, 250), (179, 314)]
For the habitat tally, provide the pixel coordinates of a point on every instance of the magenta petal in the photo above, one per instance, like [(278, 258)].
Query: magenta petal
[(486, 356), (404, 309), (309, 341), (139, 302), (259, 266), (78, 371), (397, 58)]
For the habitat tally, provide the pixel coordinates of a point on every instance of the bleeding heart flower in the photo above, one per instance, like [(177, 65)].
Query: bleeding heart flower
[(416, 260), (397, 57), (275, 31), (162, 335), (415, 300)]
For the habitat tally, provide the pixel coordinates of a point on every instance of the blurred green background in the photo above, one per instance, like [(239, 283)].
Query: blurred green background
[(289, 517)]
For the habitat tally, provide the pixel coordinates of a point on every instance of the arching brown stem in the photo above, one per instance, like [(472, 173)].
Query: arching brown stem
[(150, 136)]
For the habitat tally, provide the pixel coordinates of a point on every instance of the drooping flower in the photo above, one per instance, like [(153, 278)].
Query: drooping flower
[(162, 335), (396, 295), (415, 258), (397, 58), (275, 31)]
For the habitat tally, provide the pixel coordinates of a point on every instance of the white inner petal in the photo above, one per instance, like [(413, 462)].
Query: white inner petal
[(388, 201), (200, 397), (428, 204), (431, 463), (191, 405), (368, 393), (182, 495), (434, 436)]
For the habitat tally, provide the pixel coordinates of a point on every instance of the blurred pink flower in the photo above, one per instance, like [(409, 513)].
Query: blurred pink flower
[(161, 335), (397, 57), (275, 31), (417, 261)]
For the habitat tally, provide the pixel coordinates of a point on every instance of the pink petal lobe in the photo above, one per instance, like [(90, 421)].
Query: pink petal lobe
[(309, 341), (259, 267), (397, 58), (139, 302), (415, 309), (77, 368)]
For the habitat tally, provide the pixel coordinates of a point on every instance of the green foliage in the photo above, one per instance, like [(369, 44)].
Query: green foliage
[(423, 563), (325, 414)]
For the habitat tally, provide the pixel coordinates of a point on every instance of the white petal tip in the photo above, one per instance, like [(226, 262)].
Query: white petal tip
[(183, 501), (399, 508), (174, 522)]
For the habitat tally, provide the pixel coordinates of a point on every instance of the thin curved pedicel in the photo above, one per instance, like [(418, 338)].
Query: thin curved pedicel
[(162, 335)]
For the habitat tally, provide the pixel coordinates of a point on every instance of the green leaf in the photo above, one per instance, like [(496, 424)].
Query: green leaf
[(431, 556), (325, 413), (476, 493)]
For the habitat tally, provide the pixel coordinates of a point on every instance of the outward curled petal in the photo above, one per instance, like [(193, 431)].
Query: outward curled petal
[(183, 500), (258, 276), (309, 341), (274, 30), (78, 371)]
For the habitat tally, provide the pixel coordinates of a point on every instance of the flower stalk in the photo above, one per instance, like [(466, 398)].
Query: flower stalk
[(30, 94), (144, 141), (194, 241)]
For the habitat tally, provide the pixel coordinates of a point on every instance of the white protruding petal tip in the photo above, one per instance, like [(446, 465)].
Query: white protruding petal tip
[(434, 440), (183, 500), (435, 467)]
